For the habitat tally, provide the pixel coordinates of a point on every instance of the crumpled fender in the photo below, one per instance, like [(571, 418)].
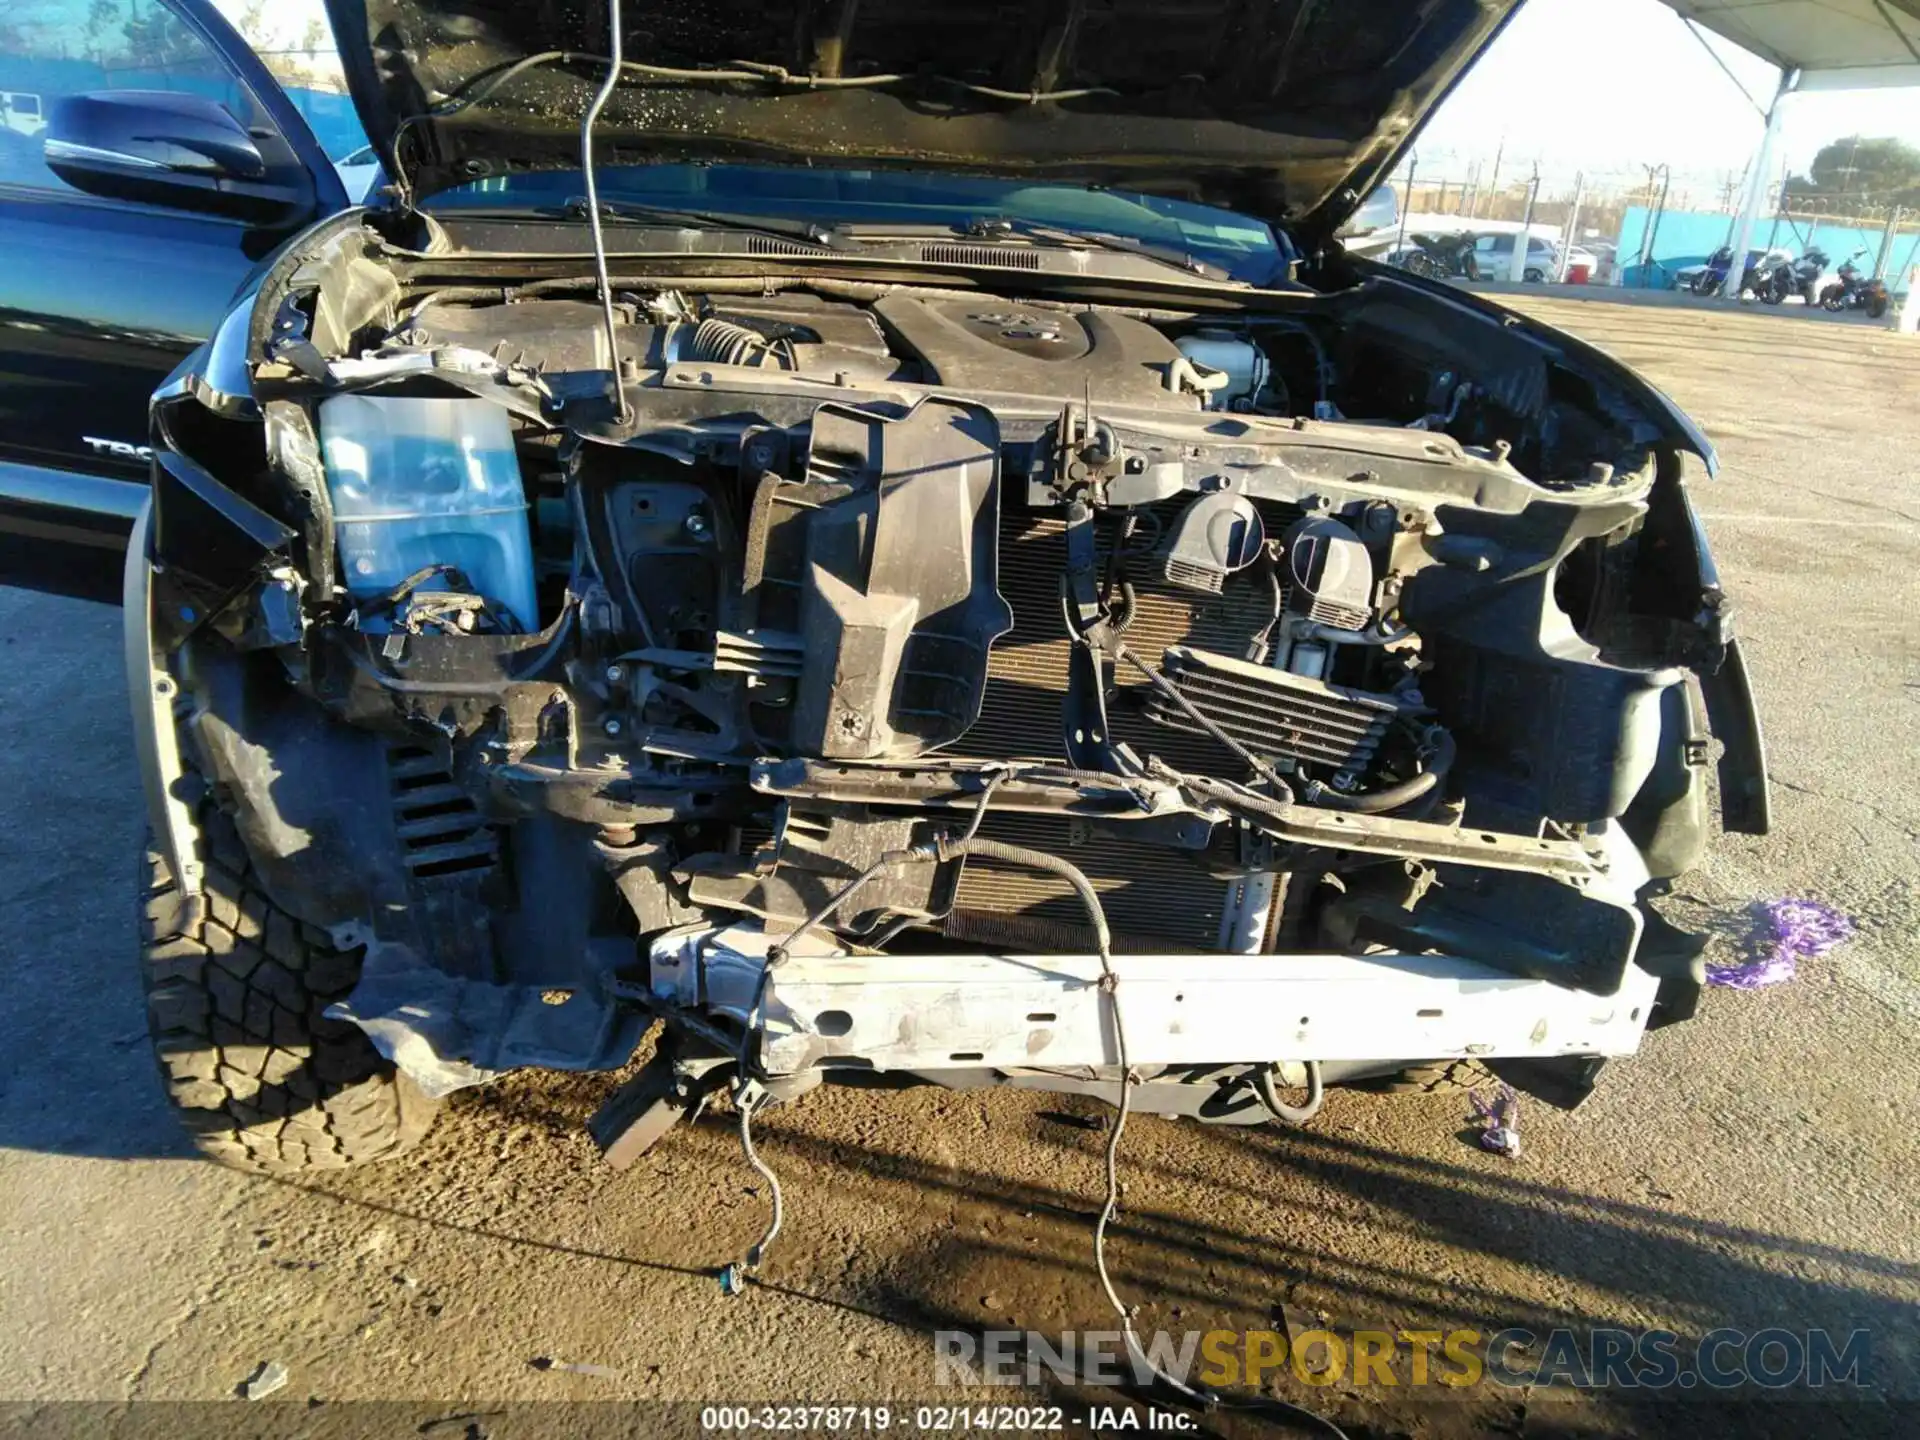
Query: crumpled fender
[(1671, 422)]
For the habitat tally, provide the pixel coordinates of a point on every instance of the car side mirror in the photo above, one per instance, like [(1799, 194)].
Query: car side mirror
[(160, 148), (1379, 211)]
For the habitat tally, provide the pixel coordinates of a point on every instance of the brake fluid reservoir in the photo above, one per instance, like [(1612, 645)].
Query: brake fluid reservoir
[(420, 482)]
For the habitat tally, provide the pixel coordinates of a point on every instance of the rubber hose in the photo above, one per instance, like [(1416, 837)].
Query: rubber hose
[(1378, 802), (721, 342), (1292, 1114)]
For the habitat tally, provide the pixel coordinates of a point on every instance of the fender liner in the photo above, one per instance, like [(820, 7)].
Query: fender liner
[(1746, 806)]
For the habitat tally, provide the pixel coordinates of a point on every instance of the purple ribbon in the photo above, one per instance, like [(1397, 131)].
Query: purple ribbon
[(1796, 930)]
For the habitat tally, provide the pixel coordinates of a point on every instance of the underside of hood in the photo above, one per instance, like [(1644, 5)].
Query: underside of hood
[(1290, 110)]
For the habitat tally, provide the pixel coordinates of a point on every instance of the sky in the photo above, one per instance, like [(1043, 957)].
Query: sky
[(1612, 86), (1607, 87)]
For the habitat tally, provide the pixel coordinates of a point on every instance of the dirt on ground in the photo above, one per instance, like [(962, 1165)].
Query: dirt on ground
[(1753, 1168)]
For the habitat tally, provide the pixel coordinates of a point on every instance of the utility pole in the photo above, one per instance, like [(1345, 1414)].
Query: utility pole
[(1493, 184)]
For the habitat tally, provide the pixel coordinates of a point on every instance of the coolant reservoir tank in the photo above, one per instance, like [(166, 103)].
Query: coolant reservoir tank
[(1243, 361), (421, 482)]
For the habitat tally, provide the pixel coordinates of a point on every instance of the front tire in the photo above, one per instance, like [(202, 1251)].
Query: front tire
[(260, 1077), (1432, 1077)]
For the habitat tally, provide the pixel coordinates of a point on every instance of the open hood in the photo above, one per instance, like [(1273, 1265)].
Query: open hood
[(1290, 110)]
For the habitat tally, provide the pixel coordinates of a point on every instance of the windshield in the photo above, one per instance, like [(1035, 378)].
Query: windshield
[(1246, 249)]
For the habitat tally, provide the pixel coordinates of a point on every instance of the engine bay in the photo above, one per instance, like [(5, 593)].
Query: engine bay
[(1312, 627)]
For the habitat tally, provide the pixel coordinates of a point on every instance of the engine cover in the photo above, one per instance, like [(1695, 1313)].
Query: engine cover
[(1001, 346)]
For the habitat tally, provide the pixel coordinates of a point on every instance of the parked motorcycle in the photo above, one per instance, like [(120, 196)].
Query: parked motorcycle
[(1803, 279), (1852, 289), (1711, 278), (1441, 257), (1775, 276)]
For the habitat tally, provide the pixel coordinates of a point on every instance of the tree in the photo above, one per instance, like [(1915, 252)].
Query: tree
[(1856, 172)]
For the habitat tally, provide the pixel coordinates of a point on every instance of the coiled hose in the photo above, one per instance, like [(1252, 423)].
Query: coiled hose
[(1266, 1085)]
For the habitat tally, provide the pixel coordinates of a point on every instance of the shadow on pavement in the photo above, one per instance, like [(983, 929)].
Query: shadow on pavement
[(1356, 1245)]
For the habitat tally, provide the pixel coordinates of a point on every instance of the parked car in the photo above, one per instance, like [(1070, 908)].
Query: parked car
[(849, 617), (20, 112), (1494, 255)]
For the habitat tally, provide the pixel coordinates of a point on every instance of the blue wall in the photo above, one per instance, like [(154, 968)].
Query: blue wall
[(1685, 237)]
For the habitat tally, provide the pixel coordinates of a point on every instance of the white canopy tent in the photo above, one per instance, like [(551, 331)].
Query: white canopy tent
[(1818, 45)]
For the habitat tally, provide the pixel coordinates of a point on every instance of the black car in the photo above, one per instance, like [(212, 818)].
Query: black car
[(877, 545)]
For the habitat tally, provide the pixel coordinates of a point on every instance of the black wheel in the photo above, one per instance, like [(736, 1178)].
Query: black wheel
[(1536, 277), (1432, 1078), (260, 1077), (1877, 306)]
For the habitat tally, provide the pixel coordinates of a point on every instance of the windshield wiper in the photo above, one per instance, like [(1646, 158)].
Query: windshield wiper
[(997, 227), (576, 209), (1125, 244)]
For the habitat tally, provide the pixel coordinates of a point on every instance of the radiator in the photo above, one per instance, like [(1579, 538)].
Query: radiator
[(1155, 897)]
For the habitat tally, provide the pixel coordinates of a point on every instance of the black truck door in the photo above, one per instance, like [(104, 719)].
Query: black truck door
[(121, 249)]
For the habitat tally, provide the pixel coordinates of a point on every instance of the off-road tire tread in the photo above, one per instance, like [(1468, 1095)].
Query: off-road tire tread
[(260, 1077), (1439, 1077)]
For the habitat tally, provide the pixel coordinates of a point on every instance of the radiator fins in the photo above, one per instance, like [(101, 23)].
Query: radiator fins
[(1027, 671), (1155, 899), (1274, 713)]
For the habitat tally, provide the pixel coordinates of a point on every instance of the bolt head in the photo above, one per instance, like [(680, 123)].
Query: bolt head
[(615, 674), (611, 725)]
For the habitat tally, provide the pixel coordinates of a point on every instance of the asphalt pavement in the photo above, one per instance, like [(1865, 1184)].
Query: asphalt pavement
[(1753, 1168)]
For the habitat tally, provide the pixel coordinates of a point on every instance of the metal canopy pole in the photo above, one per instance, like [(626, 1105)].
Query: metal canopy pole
[(1523, 242), (1571, 229), (1756, 196)]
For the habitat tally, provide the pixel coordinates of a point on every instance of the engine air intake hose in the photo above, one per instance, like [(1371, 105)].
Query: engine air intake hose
[(721, 342)]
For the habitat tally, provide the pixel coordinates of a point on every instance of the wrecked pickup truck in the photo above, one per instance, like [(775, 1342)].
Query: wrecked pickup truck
[(868, 547)]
